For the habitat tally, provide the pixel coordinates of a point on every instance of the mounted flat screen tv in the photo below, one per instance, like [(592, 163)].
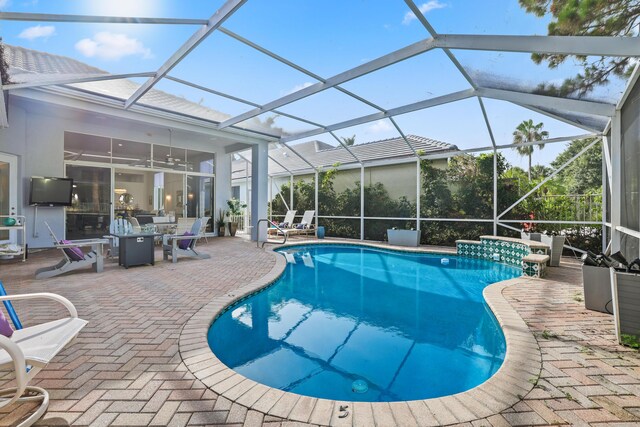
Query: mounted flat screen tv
[(50, 191)]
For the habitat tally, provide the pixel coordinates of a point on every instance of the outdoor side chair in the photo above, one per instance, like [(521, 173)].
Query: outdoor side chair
[(73, 257), (28, 350), (175, 245)]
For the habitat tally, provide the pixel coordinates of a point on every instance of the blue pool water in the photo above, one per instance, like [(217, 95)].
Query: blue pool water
[(361, 324)]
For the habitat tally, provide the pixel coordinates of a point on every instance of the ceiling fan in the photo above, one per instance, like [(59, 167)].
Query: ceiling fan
[(170, 160)]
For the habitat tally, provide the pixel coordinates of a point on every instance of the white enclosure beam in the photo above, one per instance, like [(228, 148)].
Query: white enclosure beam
[(617, 162), (630, 85), (293, 65), (605, 194), (238, 99), (555, 45), (440, 100), (628, 231), (425, 23), (346, 147), (495, 166), (578, 106), (316, 200), (544, 181), (448, 154), (47, 17), (300, 156), (213, 23), (559, 118), (361, 70), (404, 137), (606, 156), (361, 202), (72, 80)]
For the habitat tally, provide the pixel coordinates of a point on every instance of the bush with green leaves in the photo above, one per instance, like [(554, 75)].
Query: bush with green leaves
[(464, 190)]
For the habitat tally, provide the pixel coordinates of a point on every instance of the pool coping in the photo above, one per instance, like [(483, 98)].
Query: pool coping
[(515, 379)]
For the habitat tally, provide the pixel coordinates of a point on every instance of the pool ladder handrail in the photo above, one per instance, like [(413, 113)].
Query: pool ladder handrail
[(284, 233)]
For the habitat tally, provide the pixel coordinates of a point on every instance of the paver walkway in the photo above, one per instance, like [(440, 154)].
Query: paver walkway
[(125, 367)]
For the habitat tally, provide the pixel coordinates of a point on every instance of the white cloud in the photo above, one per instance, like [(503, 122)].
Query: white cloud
[(111, 46), (37, 32), (4, 3), (298, 87), (380, 126), (424, 8)]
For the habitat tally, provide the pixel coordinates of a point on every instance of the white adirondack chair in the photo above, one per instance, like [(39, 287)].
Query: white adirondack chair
[(30, 349)]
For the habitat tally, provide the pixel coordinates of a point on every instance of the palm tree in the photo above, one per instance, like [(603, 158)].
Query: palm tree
[(528, 132), (348, 141)]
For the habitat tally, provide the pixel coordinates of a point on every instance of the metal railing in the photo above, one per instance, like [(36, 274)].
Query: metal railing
[(284, 233)]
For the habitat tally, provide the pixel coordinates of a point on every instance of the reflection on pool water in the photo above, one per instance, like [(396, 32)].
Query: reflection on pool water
[(362, 324)]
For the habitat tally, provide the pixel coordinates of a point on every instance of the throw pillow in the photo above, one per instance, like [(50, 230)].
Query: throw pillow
[(301, 227), (5, 326), (74, 253), (185, 243)]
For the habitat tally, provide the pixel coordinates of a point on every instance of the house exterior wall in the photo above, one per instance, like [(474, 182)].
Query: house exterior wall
[(36, 136)]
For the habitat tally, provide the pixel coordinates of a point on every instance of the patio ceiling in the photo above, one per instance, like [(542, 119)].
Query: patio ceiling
[(467, 66)]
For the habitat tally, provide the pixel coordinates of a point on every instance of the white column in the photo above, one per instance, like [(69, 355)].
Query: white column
[(616, 180), (316, 201), (361, 202), (495, 192), (259, 189), (291, 192), (223, 183)]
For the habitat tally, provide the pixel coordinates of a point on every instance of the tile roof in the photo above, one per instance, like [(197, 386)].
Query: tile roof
[(31, 66), (321, 154)]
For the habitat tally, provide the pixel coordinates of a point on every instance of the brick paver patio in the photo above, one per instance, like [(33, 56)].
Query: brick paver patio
[(125, 367)]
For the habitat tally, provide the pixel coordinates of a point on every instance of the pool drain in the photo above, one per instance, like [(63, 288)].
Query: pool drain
[(359, 386)]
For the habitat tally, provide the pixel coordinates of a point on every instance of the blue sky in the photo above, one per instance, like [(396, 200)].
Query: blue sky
[(324, 37)]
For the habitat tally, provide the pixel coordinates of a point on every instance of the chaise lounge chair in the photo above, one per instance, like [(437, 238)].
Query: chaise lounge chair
[(286, 223), (74, 257), (305, 226), (176, 245), (28, 350)]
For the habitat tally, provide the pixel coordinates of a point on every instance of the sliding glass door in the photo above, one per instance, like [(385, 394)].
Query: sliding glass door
[(90, 213)]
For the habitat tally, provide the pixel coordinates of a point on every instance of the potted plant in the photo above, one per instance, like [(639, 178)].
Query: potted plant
[(556, 245), (529, 230), (403, 237), (625, 301), (235, 211), (220, 222)]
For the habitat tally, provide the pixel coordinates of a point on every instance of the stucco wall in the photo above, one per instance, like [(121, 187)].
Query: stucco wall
[(36, 136)]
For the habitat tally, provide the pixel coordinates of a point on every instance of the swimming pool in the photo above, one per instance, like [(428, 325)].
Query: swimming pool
[(362, 324)]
